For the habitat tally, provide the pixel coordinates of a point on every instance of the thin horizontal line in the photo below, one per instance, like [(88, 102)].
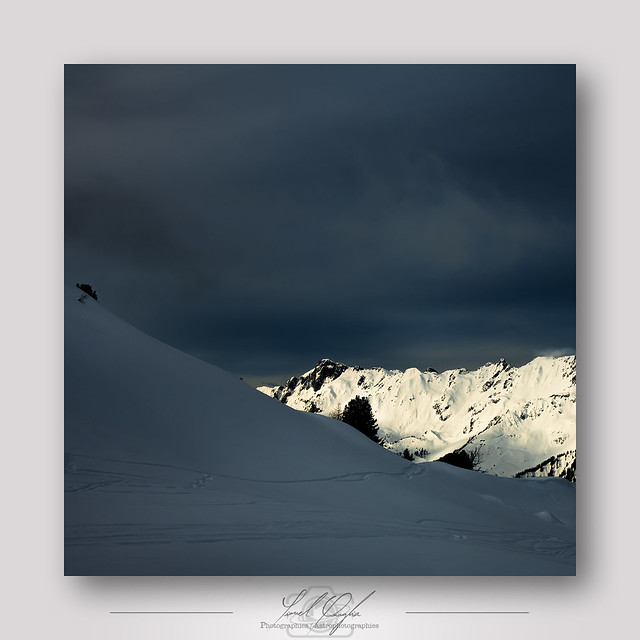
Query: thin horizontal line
[(173, 612), (469, 612)]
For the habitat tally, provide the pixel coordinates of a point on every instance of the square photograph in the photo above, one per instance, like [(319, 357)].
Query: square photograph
[(320, 320)]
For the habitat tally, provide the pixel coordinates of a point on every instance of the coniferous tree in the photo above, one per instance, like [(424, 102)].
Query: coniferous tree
[(462, 458), (358, 414), (87, 288)]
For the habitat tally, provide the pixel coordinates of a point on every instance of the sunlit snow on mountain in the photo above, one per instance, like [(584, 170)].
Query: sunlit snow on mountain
[(517, 420)]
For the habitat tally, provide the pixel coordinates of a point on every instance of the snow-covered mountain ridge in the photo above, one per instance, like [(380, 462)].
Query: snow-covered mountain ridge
[(520, 420)]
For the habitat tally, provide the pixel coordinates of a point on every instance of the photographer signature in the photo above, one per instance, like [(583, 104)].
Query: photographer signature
[(332, 608)]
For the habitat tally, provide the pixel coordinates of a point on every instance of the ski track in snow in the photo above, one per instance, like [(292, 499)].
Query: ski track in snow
[(327, 524), (134, 533), (206, 476)]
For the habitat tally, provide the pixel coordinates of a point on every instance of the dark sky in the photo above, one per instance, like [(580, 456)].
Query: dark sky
[(264, 217)]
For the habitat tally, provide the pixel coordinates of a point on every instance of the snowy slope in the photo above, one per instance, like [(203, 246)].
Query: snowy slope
[(515, 418), (173, 467)]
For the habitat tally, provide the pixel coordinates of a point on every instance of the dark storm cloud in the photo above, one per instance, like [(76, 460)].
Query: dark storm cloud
[(263, 217)]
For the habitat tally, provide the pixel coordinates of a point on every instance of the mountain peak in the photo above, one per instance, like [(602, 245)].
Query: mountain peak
[(325, 370), (327, 362)]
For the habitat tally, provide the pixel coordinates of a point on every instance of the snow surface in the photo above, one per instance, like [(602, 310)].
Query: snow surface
[(515, 418), (174, 467)]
